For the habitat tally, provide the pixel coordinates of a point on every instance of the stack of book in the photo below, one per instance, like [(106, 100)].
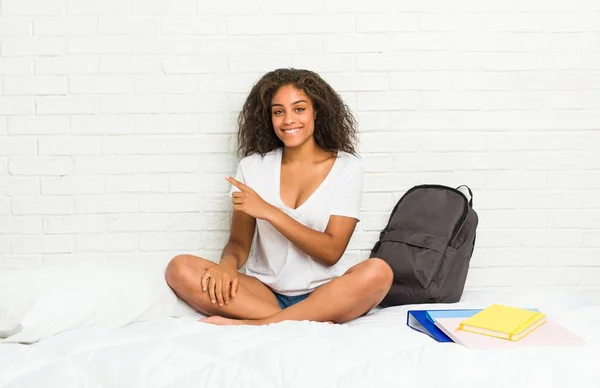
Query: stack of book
[(495, 326)]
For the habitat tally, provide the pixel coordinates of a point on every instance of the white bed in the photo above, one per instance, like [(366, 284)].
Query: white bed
[(378, 350)]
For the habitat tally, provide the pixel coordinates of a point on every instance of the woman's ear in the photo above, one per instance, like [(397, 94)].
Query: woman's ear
[(315, 115)]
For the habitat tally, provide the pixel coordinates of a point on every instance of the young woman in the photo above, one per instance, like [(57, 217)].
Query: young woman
[(296, 201)]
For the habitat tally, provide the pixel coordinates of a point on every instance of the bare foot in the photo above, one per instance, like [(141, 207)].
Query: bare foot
[(217, 320)]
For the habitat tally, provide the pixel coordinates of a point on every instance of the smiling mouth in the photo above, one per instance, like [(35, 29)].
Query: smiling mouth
[(291, 131)]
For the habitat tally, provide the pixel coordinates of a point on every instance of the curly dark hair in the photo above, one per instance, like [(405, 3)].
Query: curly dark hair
[(335, 127)]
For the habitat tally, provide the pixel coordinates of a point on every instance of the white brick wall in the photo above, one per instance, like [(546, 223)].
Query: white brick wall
[(117, 121)]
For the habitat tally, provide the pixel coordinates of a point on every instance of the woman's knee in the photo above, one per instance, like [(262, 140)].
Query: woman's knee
[(181, 267), (377, 275)]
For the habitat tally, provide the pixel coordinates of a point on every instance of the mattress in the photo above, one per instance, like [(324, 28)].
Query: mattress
[(377, 350)]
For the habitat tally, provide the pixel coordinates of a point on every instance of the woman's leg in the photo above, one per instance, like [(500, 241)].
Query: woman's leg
[(342, 299), (253, 300)]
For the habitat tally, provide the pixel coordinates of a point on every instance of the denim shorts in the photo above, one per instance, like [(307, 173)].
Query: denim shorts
[(287, 301)]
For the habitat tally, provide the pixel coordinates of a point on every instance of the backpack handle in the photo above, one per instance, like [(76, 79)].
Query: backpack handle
[(470, 194)]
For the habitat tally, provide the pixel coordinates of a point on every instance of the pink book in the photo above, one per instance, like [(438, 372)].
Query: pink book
[(548, 334)]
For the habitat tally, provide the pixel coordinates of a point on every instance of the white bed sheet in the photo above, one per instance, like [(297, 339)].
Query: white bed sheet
[(378, 350)]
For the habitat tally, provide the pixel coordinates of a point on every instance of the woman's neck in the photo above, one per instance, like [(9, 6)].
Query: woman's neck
[(309, 152)]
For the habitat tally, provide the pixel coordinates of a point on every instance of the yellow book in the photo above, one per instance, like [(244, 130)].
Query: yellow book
[(506, 322)]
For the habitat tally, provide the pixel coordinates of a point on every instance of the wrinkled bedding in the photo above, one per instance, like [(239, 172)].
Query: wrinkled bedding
[(377, 350)]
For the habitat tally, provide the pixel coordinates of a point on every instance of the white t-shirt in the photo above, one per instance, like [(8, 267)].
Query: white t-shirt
[(273, 259)]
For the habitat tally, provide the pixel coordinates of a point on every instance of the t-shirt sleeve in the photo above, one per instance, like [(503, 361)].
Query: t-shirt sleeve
[(349, 194)]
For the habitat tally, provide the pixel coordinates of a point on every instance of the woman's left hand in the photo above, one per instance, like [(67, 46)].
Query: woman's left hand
[(249, 202)]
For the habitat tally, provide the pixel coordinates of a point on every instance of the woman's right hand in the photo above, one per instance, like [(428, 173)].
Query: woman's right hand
[(221, 282)]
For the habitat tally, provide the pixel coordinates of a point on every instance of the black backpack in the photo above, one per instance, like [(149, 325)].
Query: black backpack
[(428, 243)]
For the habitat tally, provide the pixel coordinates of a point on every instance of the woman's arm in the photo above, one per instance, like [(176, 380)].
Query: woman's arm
[(326, 247), (237, 249), (221, 281)]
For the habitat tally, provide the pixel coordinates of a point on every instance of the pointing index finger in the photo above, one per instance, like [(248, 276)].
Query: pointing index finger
[(237, 184)]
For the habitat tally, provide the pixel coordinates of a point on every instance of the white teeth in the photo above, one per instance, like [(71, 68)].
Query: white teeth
[(291, 131)]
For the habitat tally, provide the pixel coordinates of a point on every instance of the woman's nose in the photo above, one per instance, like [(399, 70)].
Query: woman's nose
[(288, 119)]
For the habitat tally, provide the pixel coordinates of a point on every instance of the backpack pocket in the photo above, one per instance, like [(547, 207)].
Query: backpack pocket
[(414, 257)]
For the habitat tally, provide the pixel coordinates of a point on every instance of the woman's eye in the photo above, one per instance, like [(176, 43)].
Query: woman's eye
[(300, 109), (277, 112)]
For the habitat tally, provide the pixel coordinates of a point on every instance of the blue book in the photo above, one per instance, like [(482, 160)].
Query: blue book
[(432, 315), (417, 320)]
